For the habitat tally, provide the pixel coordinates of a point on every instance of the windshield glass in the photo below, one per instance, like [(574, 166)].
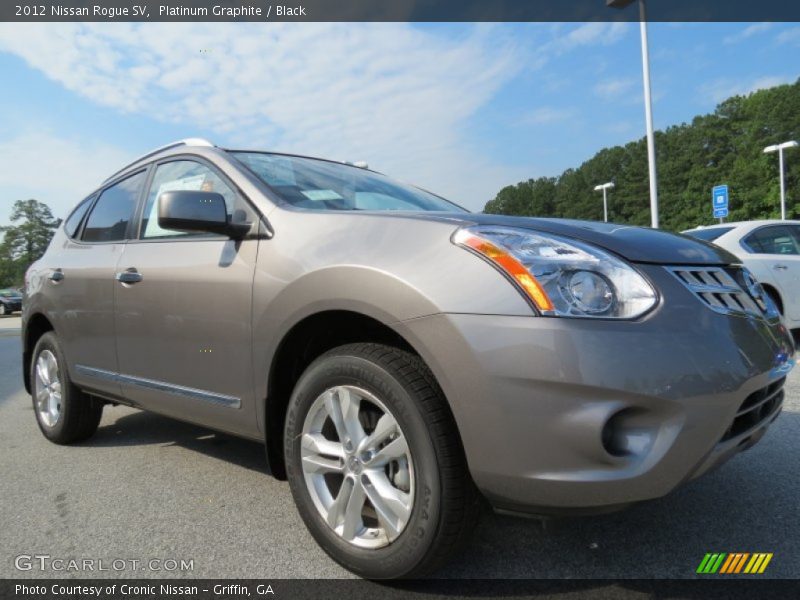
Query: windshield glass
[(10, 294), (709, 235), (322, 185)]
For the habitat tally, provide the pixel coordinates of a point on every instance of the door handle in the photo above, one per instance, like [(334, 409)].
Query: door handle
[(56, 276), (780, 267), (129, 276)]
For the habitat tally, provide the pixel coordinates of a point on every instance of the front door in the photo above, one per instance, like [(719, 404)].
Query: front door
[(183, 311)]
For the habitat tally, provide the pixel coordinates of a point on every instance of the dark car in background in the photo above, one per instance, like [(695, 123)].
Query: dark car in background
[(10, 302)]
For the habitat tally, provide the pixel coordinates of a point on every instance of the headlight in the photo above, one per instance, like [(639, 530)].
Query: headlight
[(561, 276)]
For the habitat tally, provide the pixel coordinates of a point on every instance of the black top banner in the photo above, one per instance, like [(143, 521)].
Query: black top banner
[(400, 10)]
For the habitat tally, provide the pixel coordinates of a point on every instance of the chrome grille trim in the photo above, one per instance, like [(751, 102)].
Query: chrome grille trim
[(717, 289)]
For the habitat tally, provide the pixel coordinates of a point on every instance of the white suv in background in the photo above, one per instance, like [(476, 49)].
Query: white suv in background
[(771, 250)]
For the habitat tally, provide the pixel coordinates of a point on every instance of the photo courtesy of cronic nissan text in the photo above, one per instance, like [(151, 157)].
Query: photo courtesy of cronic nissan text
[(418, 299)]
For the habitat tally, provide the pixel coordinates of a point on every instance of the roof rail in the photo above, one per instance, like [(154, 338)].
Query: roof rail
[(185, 142)]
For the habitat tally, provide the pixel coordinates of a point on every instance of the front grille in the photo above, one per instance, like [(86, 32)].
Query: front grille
[(756, 409), (719, 289)]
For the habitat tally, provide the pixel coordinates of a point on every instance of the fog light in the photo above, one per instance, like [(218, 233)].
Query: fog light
[(622, 436)]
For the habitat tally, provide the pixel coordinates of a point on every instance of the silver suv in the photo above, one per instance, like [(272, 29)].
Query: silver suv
[(400, 357)]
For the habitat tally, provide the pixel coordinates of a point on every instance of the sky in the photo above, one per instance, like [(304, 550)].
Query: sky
[(460, 109)]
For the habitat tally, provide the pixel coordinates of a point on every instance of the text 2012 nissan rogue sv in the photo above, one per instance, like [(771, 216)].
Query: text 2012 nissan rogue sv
[(399, 356)]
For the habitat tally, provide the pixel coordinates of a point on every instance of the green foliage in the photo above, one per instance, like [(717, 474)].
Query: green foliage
[(25, 242), (723, 147)]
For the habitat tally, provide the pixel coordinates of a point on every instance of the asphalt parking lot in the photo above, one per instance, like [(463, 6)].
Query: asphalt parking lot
[(147, 487)]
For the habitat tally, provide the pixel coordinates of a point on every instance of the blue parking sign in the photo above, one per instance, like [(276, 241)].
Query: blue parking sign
[(719, 201)]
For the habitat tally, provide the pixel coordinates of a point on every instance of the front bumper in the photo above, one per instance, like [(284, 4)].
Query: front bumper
[(581, 415)]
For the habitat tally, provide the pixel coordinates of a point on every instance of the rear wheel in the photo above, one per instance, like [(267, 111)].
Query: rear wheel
[(374, 462), (65, 414)]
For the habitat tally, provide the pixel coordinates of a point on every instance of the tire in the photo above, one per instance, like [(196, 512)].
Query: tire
[(77, 415), (432, 475), (3, 310)]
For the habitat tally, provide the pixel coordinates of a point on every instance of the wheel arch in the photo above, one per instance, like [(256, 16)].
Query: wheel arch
[(36, 326), (775, 294), (306, 340)]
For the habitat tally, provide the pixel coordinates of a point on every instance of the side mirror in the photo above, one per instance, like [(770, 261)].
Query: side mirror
[(191, 210)]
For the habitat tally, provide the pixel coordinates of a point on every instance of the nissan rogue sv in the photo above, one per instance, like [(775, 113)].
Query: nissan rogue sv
[(400, 357)]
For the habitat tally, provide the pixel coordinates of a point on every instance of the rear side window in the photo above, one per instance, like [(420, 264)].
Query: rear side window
[(73, 221), (108, 221), (772, 240)]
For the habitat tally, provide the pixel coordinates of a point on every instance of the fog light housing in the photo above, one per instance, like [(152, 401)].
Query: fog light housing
[(622, 436)]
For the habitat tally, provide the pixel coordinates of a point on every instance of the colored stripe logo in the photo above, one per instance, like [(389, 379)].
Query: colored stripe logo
[(734, 563)]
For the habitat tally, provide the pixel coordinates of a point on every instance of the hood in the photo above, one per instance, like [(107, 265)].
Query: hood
[(636, 244)]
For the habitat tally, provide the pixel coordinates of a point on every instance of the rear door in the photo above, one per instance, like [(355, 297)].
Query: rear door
[(81, 284), (775, 251), (183, 317)]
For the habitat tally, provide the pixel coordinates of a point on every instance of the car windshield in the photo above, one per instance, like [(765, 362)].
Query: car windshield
[(10, 294), (709, 235), (324, 185)]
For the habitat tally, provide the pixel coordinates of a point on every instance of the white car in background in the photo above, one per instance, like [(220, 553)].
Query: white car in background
[(771, 250)]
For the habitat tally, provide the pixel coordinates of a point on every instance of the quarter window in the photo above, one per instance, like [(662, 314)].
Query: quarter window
[(108, 221), (182, 175), (73, 221)]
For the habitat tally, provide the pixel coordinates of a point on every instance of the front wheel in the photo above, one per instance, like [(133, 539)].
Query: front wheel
[(3, 310), (375, 464), (65, 414)]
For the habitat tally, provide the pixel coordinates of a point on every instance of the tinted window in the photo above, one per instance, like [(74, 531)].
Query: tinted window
[(73, 222), (324, 185), (772, 240), (182, 175), (109, 218), (709, 235)]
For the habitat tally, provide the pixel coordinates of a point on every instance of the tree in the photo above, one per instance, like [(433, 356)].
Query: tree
[(26, 242), (722, 147)]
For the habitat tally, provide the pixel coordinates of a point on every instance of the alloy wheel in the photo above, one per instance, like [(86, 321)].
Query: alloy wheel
[(47, 388), (357, 466)]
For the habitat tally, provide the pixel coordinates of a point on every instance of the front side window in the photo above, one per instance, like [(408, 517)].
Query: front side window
[(183, 175), (772, 240), (108, 221), (324, 185)]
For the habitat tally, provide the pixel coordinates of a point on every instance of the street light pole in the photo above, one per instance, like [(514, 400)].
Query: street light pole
[(604, 187), (648, 108), (779, 148)]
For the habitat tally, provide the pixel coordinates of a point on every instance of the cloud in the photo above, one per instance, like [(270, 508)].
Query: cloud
[(56, 170), (592, 34), (613, 88), (720, 89), (746, 33), (789, 36), (547, 115), (392, 94)]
